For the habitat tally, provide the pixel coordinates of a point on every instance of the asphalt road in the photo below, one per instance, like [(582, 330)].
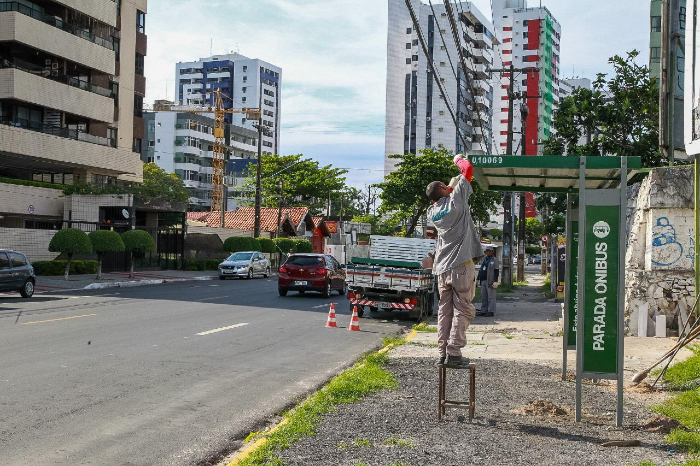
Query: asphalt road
[(167, 374)]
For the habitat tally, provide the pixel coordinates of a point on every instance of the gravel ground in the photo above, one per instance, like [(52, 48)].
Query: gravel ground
[(498, 435)]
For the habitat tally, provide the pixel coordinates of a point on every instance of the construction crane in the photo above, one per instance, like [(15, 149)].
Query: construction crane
[(217, 172)]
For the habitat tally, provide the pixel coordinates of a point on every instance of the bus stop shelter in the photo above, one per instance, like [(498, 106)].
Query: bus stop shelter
[(596, 231)]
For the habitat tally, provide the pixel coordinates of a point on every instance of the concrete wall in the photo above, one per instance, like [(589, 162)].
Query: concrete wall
[(86, 208), (33, 243), (659, 265), (17, 199)]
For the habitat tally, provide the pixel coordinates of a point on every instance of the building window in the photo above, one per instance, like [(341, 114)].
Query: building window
[(526, 34), (415, 41), (408, 30), (656, 24), (141, 21), (507, 28), (115, 41), (139, 63), (655, 53), (526, 22), (408, 45), (137, 145), (408, 61), (244, 99), (245, 69), (244, 89), (415, 57), (138, 106)]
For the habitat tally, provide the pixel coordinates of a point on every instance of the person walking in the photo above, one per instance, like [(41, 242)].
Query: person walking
[(488, 279), (458, 244)]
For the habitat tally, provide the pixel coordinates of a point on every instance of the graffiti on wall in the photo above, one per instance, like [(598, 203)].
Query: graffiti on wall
[(668, 247)]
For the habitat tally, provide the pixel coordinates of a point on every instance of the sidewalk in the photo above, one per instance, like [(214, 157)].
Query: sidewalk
[(117, 279), (524, 411)]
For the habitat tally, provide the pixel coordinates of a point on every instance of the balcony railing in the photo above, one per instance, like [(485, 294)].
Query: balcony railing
[(57, 131), (36, 13), (54, 75)]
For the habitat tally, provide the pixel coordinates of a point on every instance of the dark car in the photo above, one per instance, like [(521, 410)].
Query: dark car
[(16, 273), (311, 272)]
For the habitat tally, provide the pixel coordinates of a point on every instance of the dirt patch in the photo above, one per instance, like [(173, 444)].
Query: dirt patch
[(542, 408), (660, 424), (643, 388)]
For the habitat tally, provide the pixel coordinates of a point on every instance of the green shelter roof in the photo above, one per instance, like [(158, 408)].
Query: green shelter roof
[(549, 173)]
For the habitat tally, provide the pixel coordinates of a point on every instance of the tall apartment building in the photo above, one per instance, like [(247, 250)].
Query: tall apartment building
[(531, 38), (182, 143), (568, 85), (656, 11), (248, 82), (416, 115), (71, 90)]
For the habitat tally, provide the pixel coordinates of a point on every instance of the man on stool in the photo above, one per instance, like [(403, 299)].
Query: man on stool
[(488, 278), (457, 246)]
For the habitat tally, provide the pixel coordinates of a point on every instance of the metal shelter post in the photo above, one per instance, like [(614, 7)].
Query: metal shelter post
[(567, 289), (621, 289), (697, 225), (581, 279)]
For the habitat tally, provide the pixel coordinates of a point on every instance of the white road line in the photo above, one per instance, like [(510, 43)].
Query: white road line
[(215, 297), (216, 330)]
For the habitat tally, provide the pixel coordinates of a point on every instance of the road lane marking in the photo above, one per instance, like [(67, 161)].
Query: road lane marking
[(216, 330), (211, 299), (56, 320)]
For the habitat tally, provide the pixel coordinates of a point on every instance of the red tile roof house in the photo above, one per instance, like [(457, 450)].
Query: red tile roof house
[(294, 222)]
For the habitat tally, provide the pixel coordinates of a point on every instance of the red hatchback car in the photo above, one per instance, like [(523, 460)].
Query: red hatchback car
[(311, 272)]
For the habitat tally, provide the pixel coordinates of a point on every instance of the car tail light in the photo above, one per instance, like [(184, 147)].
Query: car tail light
[(317, 271), (283, 270), (414, 301), (350, 295)]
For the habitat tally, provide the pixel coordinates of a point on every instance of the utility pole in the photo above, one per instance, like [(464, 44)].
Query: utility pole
[(521, 214), (279, 210), (258, 175), (508, 199)]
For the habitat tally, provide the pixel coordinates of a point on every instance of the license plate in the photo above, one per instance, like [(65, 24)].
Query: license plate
[(301, 283), (228, 271), (383, 305)]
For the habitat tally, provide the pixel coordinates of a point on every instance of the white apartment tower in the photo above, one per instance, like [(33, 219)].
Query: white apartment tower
[(531, 38), (248, 82), (416, 115)]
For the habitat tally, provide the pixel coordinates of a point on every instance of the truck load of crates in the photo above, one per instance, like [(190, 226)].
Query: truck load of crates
[(393, 277)]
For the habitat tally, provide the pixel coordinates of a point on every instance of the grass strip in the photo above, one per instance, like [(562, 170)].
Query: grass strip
[(424, 327), (365, 377), (684, 407)]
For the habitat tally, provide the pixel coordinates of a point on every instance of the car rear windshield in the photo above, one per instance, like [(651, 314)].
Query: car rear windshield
[(305, 260), (241, 256)]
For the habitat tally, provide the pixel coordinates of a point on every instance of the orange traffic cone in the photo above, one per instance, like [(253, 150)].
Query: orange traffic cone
[(355, 321), (331, 318)]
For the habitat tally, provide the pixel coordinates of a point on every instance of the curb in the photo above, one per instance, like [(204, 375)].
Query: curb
[(129, 284), (246, 451)]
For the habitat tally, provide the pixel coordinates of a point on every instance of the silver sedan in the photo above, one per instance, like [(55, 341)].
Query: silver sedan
[(245, 264)]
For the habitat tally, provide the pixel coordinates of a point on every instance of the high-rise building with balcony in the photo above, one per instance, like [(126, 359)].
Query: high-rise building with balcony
[(246, 82), (416, 114), (182, 143), (531, 38), (71, 90)]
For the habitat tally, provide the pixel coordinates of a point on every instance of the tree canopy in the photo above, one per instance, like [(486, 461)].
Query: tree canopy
[(306, 182), (619, 116), (403, 191), (158, 184)]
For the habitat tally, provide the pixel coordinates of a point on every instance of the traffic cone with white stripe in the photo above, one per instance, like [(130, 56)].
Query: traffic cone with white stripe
[(331, 318), (355, 321)]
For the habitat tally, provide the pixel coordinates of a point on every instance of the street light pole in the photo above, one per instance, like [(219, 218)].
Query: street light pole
[(256, 230)]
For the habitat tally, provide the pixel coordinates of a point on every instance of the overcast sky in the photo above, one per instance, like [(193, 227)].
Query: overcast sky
[(333, 57)]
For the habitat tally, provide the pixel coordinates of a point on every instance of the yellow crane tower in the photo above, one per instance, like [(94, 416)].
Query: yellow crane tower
[(217, 172)]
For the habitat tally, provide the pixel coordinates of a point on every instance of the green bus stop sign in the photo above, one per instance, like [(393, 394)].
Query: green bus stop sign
[(600, 327)]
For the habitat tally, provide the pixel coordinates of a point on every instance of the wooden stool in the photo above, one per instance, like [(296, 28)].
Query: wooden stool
[(443, 402)]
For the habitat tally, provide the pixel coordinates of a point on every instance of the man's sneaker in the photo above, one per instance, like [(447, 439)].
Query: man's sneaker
[(440, 361), (457, 362)]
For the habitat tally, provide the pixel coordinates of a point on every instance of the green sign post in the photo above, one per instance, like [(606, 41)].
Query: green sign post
[(572, 293), (600, 334), (602, 243)]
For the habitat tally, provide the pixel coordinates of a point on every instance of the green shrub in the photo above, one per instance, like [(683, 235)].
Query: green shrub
[(303, 245), (201, 265), (532, 250), (70, 241), (284, 245), (237, 244), (267, 245), (105, 241), (137, 241), (255, 244), (58, 267)]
